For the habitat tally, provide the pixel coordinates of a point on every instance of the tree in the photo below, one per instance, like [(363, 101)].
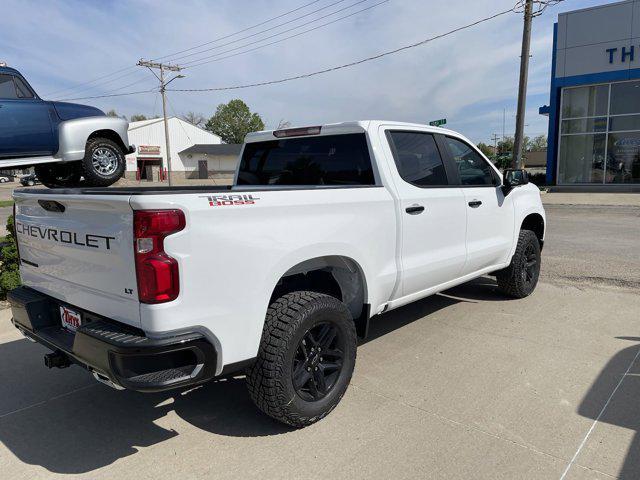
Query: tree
[(283, 124), (138, 117), (194, 119), (538, 143), (113, 113), (486, 149), (505, 147), (232, 121)]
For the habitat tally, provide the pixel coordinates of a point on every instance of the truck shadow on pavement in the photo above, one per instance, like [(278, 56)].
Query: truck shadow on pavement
[(622, 409), (66, 422)]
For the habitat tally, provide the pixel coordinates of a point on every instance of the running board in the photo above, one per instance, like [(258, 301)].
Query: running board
[(26, 161)]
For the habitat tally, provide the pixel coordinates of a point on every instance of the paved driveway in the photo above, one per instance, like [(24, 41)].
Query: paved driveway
[(466, 384)]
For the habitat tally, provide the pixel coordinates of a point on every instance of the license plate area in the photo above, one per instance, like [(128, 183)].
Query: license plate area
[(70, 319)]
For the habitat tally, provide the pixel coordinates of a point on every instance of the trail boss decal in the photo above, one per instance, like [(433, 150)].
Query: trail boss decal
[(65, 236), (227, 200)]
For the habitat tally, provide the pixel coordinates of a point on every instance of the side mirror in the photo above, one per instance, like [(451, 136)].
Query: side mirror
[(514, 177)]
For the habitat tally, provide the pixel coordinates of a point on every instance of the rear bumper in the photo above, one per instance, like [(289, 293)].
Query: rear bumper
[(115, 353)]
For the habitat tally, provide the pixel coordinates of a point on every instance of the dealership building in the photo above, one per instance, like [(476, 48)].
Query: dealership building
[(594, 110)]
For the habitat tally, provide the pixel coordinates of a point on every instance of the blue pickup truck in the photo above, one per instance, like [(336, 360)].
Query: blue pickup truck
[(68, 144)]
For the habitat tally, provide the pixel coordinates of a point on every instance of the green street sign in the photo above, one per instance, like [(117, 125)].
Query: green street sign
[(438, 123)]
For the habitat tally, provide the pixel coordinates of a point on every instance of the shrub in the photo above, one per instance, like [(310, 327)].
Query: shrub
[(9, 264), (539, 179)]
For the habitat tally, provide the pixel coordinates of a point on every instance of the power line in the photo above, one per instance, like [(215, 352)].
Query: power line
[(113, 95), (139, 80), (351, 64), (273, 28), (73, 87), (103, 77), (198, 62), (236, 33), (319, 72)]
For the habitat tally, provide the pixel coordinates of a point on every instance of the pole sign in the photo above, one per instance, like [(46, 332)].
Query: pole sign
[(438, 123)]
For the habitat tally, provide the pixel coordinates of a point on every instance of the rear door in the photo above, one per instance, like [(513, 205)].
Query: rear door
[(490, 215), (79, 250), (25, 120), (432, 211)]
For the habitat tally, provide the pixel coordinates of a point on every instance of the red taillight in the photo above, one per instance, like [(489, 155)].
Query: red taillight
[(157, 272)]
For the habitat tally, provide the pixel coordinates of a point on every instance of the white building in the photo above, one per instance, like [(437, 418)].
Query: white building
[(148, 137)]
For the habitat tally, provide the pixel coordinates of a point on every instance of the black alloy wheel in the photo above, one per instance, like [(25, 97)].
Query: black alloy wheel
[(317, 362), (531, 265)]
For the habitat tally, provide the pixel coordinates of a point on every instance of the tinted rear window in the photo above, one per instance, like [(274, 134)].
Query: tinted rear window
[(323, 160)]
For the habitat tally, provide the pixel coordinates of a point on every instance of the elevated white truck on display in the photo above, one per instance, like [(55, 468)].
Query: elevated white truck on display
[(155, 288)]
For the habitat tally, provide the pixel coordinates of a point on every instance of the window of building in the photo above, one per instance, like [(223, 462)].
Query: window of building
[(321, 160), (600, 134), (473, 169), (418, 159)]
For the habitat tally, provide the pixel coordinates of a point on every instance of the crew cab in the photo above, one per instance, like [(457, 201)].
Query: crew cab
[(65, 142), (155, 288)]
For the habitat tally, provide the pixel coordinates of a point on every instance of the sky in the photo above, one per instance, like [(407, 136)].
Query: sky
[(470, 77)]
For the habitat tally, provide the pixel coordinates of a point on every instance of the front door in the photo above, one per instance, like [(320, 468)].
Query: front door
[(490, 215), (432, 212), (203, 170), (25, 122)]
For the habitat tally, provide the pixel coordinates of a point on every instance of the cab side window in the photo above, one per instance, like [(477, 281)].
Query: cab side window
[(7, 87), (22, 89), (473, 169), (418, 159)]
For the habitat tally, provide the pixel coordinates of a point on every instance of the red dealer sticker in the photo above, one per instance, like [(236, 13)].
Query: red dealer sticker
[(228, 200)]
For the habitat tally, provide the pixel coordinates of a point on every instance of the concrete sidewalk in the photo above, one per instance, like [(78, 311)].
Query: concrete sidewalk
[(603, 199)]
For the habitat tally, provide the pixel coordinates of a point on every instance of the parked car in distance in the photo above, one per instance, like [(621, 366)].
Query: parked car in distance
[(326, 226), (63, 141), (4, 179), (29, 180)]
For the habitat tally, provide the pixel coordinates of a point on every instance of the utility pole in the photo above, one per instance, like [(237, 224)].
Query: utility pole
[(516, 161), (504, 121), (495, 143), (163, 86)]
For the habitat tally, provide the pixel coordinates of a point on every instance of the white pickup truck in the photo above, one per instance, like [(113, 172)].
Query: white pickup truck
[(155, 288)]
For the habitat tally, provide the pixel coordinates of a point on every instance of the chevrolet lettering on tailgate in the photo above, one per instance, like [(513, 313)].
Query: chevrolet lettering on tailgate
[(65, 236)]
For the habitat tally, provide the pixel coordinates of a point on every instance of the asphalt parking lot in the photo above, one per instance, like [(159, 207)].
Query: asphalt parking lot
[(466, 384)]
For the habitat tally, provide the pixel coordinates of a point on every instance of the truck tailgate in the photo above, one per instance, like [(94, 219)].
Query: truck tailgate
[(79, 249)]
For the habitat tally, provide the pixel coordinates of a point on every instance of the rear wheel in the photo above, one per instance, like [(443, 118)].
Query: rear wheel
[(520, 278), (103, 163), (56, 175), (305, 360)]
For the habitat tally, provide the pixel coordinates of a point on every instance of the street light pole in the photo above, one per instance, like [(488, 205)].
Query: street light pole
[(516, 161), (163, 86)]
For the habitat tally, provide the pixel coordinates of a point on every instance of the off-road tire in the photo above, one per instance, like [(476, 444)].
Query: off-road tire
[(59, 175), (514, 280), (90, 174), (270, 379)]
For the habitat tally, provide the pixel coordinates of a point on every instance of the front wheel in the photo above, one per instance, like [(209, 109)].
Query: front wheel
[(103, 163), (305, 359), (520, 278)]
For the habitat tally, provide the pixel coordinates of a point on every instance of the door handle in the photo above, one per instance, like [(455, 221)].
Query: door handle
[(414, 209), (475, 203)]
